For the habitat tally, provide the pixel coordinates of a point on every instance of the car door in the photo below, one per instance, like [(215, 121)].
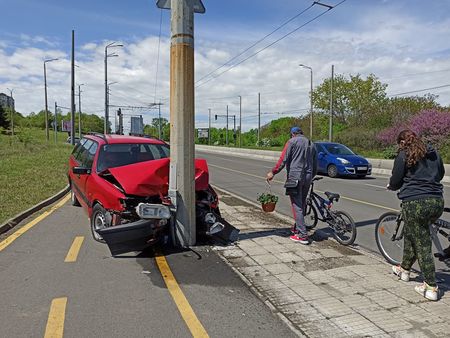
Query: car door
[(321, 158), (79, 181)]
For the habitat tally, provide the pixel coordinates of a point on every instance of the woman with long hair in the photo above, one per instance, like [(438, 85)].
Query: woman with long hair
[(417, 173)]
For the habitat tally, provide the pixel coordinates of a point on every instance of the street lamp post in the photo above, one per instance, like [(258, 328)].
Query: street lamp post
[(240, 121), (111, 45), (108, 91), (46, 104), (79, 109), (311, 100), (12, 110)]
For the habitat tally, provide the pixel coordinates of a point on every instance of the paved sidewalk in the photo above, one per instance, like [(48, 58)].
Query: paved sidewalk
[(326, 289)]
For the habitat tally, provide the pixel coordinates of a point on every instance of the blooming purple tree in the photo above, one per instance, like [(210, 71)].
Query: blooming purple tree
[(432, 125)]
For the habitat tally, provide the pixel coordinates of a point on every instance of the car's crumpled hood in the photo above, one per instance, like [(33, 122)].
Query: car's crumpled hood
[(151, 178)]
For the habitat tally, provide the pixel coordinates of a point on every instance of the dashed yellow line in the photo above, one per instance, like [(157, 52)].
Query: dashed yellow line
[(6, 242), (74, 250), (343, 197), (56, 316), (186, 311)]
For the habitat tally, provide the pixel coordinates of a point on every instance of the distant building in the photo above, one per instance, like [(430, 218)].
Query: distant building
[(6, 101)]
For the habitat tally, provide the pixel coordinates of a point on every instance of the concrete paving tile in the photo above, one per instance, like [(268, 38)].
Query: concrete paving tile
[(357, 326), (265, 259), (438, 309), (385, 320), (359, 302), (234, 253), (277, 249), (281, 297), (439, 330), (331, 307), (319, 276), (385, 299), (330, 253), (365, 260), (242, 261), (252, 272), (266, 283), (287, 257), (255, 250), (310, 291), (414, 313), (246, 243), (277, 268), (293, 279)]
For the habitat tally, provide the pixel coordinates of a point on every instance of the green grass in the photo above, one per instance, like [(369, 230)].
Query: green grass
[(31, 169)]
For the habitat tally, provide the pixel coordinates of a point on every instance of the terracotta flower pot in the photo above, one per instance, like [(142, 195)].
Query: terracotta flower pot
[(268, 207)]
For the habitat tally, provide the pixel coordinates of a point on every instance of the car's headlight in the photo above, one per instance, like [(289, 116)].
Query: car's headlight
[(343, 160), (150, 211)]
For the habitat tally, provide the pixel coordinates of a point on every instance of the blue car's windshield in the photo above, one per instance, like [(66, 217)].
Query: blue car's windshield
[(338, 149)]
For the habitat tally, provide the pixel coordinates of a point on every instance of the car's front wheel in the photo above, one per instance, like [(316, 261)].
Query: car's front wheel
[(332, 171), (99, 220)]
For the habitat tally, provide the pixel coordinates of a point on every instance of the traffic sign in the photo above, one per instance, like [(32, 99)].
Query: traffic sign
[(198, 5)]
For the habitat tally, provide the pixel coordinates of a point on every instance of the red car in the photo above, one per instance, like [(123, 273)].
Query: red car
[(122, 182)]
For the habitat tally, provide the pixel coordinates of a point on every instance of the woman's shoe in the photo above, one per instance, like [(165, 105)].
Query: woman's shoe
[(401, 273), (429, 292)]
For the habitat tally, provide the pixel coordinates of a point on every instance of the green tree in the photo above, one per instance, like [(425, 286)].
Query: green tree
[(4, 122)]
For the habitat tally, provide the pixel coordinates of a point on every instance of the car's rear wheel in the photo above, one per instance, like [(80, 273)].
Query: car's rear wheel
[(99, 220), (73, 199), (332, 171)]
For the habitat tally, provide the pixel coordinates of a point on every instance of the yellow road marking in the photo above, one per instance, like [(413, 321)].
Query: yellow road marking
[(191, 320), (343, 197), (6, 242), (56, 316), (74, 250)]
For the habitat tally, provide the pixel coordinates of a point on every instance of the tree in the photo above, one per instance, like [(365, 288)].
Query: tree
[(353, 99), (4, 121)]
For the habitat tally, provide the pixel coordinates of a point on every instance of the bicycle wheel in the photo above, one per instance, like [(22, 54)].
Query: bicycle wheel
[(344, 228), (390, 241), (310, 216)]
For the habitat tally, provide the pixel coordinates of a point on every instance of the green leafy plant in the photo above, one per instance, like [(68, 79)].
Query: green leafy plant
[(266, 198)]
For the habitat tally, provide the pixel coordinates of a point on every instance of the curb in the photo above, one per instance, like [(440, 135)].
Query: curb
[(11, 223)]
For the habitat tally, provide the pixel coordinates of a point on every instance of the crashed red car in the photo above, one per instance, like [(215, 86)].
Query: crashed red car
[(122, 182)]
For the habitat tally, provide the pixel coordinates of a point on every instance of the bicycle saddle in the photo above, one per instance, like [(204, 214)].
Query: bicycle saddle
[(332, 196)]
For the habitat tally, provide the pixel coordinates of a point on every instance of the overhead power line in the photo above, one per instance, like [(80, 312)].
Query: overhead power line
[(272, 43), (420, 90)]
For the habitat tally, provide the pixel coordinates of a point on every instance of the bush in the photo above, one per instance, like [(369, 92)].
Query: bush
[(390, 152), (267, 198)]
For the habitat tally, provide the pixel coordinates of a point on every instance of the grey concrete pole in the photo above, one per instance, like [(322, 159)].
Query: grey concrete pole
[(330, 130), (226, 135), (240, 121), (46, 104), (209, 127), (259, 115), (105, 127), (159, 121), (182, 173), (72, 90), (12, 111), (79, 111), (56, 122)]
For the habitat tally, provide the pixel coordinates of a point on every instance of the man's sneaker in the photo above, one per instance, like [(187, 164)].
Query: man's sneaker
[(293, 230), (401, 273), (429, 292), (298, 238)]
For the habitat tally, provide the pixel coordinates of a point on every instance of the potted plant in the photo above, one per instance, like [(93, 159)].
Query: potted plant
[(268, 201)]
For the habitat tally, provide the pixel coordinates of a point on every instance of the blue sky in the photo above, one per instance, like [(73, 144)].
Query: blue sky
[(392, 39)]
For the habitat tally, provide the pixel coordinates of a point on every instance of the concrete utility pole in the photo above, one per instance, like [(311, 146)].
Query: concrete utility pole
[(159, 120), (259, 116), (47, 135), (330, 130), (240, 121), (56, 122), (79, 110), (226, 136), (12, 111), (209, 127), (182, 147), (311, 101), (72, 94), (111, 45)]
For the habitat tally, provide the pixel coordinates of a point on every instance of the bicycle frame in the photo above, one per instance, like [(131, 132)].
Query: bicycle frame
[(319, 201)]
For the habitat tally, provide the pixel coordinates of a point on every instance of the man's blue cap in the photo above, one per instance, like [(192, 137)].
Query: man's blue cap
[(296, 130)]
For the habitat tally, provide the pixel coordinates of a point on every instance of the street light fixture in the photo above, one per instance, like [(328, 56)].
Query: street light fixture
[(311, 98), (111, 45), (45, 89)]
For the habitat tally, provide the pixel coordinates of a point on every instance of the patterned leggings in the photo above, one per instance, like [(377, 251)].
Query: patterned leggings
[(418, 215)]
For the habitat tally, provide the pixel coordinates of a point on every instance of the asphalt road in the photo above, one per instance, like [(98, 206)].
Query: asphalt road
[(119, 297), (365, 199)]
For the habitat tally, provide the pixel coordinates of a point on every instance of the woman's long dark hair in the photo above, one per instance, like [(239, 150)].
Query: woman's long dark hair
[(413, 146)]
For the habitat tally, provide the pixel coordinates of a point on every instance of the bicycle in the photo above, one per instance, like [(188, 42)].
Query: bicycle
[(389, 236), (340, 222)]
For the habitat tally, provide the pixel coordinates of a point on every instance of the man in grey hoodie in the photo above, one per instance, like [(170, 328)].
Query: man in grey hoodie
[(298, 158)]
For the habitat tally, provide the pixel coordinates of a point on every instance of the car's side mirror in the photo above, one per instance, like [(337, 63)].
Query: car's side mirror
[(81, 170)]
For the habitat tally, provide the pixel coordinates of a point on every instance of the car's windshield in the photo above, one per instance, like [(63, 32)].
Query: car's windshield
[(338, 149), (116, 155)]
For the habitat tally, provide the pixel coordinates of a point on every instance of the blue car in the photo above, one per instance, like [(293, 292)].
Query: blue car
[(335, 159)]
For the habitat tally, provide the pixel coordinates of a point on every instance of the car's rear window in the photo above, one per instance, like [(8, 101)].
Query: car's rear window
[(117, 155)]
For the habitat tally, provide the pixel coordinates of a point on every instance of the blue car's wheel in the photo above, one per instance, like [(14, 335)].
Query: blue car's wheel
[(332, 171)]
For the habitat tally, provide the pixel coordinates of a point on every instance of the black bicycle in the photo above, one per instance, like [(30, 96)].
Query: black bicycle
[(389, 236), (342, 224)]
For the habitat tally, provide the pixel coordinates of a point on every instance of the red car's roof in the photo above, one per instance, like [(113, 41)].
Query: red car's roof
[(113, 139)]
